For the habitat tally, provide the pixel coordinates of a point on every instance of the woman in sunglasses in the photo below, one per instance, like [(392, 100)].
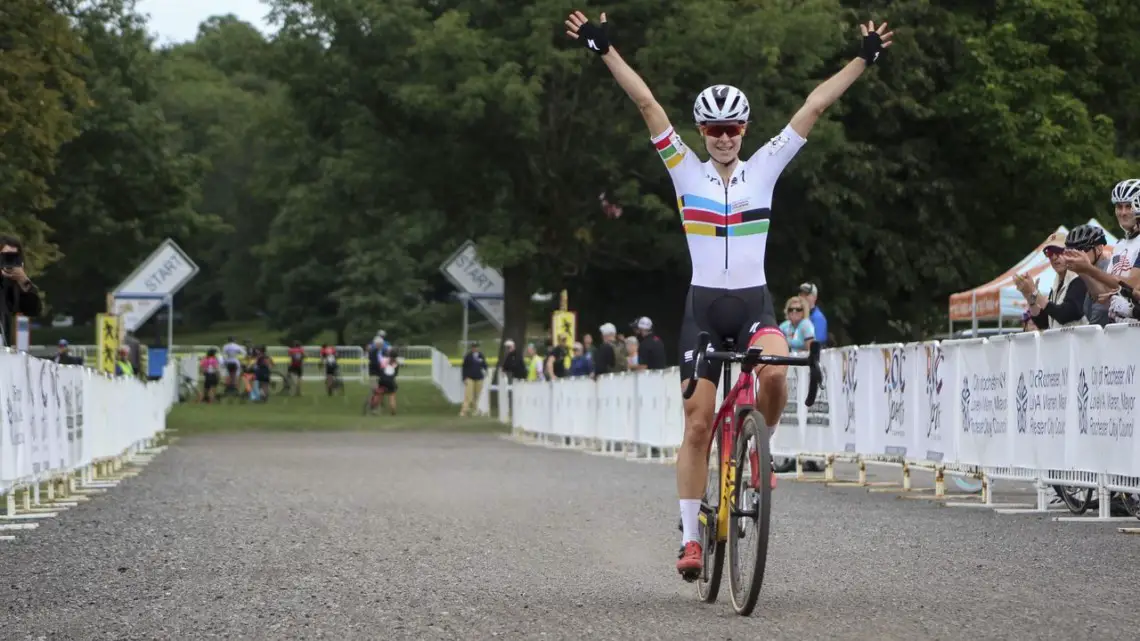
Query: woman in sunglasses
[(797, 328), (1065, 304), (725, 206)]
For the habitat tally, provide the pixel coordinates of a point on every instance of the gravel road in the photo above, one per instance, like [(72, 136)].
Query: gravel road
[(452, 536)]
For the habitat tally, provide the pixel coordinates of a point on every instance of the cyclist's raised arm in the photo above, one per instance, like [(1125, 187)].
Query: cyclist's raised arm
[(594, 38), (875, 40)]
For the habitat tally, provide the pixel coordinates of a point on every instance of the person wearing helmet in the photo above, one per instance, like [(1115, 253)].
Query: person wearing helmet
[(725, 206), (1091, 241), (1105, 285)]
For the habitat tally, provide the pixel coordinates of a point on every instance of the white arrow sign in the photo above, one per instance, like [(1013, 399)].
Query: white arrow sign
[(162, 274), (471, 276)]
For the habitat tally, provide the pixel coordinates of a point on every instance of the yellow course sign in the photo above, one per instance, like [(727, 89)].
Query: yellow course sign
[(107, 342), (564, 328)]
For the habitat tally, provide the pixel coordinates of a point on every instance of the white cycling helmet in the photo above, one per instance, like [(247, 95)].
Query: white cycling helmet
[(721, 102), (1126, 191)]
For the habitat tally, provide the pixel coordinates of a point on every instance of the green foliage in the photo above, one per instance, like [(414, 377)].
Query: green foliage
[(41, 92), (320, 176)]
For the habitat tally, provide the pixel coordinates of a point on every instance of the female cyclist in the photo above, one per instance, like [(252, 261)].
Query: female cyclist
[(725, 206)]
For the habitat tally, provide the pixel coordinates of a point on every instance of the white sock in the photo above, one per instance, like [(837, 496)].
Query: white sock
[(690, 519), (772, 430)]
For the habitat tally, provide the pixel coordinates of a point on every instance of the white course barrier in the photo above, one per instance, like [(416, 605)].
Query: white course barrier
[(1053, 408), (61, 422)]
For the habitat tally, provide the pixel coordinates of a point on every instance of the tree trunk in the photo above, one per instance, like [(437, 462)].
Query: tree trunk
[(516, 299)]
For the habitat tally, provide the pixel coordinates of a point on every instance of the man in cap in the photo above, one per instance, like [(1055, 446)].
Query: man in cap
[(650, 349), (64, 355), (810, 292)]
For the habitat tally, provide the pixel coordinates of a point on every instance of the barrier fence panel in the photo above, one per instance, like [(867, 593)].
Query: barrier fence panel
[(1055, 408), (58, 420)]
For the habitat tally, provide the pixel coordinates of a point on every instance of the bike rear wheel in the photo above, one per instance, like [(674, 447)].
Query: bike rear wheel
[(750, 514), (708, 585)]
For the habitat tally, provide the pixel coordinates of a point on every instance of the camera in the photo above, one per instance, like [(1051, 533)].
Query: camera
[(11, 260)]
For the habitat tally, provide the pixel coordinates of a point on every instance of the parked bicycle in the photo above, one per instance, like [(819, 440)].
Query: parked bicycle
[(738, 497), (188, 389)]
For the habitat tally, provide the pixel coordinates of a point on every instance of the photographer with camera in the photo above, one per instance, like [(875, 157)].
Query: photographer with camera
[(18, 295)]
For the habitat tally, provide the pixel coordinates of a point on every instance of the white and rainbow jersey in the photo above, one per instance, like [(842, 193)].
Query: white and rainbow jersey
[(727, 224)]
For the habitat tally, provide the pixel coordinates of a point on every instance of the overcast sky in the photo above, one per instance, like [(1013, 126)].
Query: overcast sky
[(178, 20)]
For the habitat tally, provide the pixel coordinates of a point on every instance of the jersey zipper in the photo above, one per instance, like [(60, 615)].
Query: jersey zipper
[(727, 213)]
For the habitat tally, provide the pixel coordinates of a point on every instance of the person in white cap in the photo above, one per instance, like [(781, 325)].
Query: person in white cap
[(609, 357), (650, 349)]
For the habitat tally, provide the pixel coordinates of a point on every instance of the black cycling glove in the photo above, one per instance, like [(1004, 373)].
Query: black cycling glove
[(594, 37), (872, 47)]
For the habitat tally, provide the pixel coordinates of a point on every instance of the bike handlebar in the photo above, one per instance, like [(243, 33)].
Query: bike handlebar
[(752, 357)]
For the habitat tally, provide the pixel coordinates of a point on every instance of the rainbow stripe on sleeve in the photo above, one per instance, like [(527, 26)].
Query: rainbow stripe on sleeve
[(671, 149)]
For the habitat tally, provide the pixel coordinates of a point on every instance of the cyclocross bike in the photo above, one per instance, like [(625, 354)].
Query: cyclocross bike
[(739, 501)]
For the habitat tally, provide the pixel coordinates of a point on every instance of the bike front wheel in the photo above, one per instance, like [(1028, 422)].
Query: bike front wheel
[(750, 515), (277, 383), (708, 585)]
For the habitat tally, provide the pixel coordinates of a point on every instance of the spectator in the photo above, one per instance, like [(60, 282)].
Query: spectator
[(810, 293), (386, 383), (533, 364), (1122, 267), (588, 349), (798, 329), (631, 353), (556, 357), (64, 355), (123, 363), (296, 366), (134, 352), (608, 357), (232, 353), (1065, 304), (580, 363), (211, 369), (512, 365), (332, 368), (1091, 241), (650, 349), (474, 369), (18, 295), (262, 370)]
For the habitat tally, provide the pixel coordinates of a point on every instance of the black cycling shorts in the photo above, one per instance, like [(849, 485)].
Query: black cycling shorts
[(387, 383), (723, 313)]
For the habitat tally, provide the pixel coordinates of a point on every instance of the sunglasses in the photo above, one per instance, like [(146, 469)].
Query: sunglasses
[(1053, 251), (716, 131), (795, 309)]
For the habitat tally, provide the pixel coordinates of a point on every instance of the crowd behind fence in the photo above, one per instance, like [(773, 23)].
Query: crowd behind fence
[(1055, 408)]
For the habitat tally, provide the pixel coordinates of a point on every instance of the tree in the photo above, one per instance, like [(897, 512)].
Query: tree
[(41, 91), (121, 187), (229, 113)]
